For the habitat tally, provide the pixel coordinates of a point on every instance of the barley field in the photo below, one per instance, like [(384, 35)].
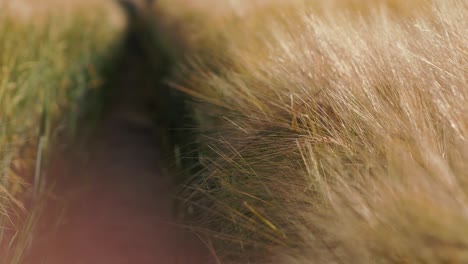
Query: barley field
[(288, 131), (327, 131)]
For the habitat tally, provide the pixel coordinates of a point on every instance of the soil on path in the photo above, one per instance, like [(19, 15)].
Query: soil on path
[(118, 205)]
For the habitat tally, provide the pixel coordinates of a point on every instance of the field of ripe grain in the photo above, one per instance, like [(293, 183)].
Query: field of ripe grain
[(327, 131), (50, 54)]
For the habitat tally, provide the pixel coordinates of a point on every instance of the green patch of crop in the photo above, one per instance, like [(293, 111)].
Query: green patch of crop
[(47, 65)]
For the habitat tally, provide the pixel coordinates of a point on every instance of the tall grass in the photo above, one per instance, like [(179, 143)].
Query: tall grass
[(48, 61), (329, 132)]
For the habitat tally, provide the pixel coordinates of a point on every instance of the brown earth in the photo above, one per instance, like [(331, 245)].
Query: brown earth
[(113, 201)]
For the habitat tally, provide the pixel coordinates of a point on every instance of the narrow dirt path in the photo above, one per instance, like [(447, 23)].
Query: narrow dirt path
[(118, 205)]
